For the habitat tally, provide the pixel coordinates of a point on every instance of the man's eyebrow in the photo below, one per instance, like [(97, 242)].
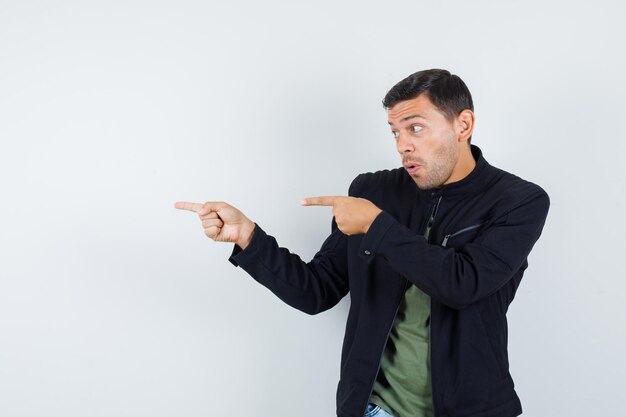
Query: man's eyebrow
[(413, 116)]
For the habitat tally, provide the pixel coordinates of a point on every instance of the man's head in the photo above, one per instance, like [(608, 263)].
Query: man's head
[(431, 115)]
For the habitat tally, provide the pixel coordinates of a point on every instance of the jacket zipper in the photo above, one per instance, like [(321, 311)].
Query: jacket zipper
[(458, 232), (430, 319), (432, 219)]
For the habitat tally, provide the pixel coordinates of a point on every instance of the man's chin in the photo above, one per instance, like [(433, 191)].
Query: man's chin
[(425, 186)]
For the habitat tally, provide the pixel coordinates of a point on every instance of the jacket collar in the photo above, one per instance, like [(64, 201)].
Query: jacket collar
[(472, 183)]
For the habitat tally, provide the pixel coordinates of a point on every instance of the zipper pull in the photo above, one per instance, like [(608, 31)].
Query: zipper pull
[(445, 240)]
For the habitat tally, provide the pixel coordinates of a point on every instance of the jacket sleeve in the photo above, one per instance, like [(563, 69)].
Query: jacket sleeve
[(459, 277), (311, 287)]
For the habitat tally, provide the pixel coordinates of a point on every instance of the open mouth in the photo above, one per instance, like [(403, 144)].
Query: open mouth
[(411, 169)]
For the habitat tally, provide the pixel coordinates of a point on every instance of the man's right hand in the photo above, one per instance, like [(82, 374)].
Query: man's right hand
[(221, 221)]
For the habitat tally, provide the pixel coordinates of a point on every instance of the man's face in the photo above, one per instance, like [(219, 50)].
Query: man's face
[(426, 141)]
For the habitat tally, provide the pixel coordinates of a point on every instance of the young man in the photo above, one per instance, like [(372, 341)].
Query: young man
[(432, 254)]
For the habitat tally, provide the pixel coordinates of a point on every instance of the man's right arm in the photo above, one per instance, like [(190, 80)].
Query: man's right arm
[(311, 287)]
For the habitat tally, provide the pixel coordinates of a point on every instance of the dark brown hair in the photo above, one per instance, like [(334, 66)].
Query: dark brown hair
[(446, 91)]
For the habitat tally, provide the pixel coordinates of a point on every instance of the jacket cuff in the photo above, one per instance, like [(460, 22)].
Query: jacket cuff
[(242, 256), (374, 236)]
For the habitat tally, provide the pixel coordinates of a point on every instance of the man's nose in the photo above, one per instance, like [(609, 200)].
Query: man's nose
[(404, 145)]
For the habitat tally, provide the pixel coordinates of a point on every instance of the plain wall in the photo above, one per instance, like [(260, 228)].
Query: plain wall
[(113, 303)]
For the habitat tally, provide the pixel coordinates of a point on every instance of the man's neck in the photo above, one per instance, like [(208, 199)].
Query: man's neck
[(464, 166)]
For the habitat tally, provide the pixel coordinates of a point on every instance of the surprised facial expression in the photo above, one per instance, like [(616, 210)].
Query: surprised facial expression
[(426, 141)]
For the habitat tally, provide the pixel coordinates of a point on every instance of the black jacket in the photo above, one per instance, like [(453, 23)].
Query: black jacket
[(483, 228)]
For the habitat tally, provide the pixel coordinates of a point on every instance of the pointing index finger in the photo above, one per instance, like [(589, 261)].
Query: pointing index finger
[(320, 201), (185, 205)]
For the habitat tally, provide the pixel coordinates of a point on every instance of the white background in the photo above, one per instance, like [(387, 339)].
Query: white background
[(113, 303)]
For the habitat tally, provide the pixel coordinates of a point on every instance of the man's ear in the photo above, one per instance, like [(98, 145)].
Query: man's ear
[(464, 124)]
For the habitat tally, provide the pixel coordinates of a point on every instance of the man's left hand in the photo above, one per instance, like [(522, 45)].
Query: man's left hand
[(353, 215)]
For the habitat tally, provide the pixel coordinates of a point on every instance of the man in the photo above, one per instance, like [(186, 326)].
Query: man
[(432, 254)]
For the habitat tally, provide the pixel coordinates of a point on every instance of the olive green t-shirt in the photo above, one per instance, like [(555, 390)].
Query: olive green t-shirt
[(403, 386)]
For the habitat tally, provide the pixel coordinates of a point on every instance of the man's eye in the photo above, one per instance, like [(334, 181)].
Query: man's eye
[(395, 133), (416, 128)]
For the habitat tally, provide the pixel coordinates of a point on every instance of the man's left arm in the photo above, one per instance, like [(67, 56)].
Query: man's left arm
[(459, 277)]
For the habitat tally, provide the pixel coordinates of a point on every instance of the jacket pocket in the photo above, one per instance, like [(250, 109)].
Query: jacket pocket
[(447, 237)]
